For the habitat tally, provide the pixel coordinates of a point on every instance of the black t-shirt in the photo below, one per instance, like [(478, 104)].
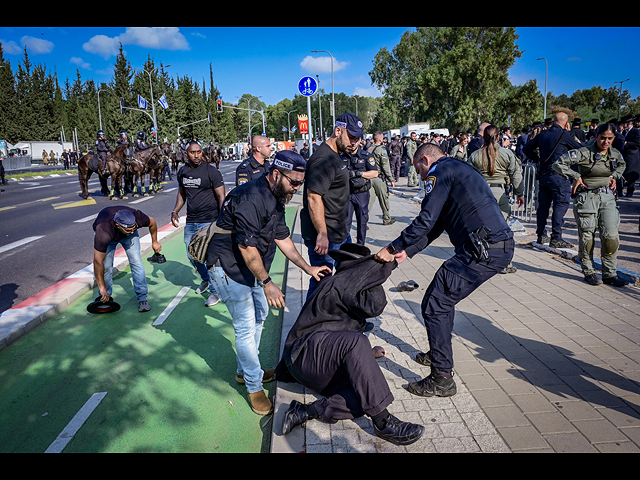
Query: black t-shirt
[(106, 230), (328, 176), (199, 185), (256, 219)]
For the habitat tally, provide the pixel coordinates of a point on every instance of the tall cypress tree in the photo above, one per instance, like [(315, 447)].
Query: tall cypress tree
[(8, 103)]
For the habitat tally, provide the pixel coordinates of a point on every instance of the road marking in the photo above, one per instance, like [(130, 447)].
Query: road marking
[(18, 244), (38, 188), (83, 203), (76, 424), (87, 219), (7, 208), (142, 201), (172, 306)]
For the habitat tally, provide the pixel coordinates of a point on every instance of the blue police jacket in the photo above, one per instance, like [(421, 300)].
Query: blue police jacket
[(541, 148), (458, 201)]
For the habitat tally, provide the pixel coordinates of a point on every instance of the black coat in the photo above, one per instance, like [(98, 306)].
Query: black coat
[(342, 303), (632, 152)]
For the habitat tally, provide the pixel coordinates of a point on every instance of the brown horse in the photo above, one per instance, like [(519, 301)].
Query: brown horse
[(115, 165), (147, 161), (213, 155)]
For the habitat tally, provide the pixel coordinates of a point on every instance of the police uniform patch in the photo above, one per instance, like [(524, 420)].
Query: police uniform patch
[(372, 162), (573, 154), (430, 185)]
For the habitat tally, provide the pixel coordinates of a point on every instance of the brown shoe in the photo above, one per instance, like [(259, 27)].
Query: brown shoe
[(260, 404), (268, 377)]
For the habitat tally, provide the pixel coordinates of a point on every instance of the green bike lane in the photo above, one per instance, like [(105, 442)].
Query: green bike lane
[(169, 389)]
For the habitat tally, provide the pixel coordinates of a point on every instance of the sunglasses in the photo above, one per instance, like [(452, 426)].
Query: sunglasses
[(294, 183)]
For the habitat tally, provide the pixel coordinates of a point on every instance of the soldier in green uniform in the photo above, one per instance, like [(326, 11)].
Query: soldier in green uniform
[(600, 167), (500, 168), (380, 185), (412, 148)]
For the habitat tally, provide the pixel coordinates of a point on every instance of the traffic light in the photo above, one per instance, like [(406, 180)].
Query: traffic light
[(220, 107)]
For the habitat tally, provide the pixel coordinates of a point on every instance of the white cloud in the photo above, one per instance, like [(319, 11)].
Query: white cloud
[(81, 63), (37, 46), (156, 38), (368, 92), (322, 65), (11, 48), (103, 46)]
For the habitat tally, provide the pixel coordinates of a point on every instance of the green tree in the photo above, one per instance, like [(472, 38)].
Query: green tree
[(9, 130)]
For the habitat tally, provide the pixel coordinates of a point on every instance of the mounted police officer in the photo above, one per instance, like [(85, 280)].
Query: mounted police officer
[(141, 142), (600, 167), (362, 169), (257, 164), (458, 201), (103, 148)]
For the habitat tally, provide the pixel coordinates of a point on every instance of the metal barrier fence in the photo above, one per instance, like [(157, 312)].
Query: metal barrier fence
[(16, 163), (531, 188)]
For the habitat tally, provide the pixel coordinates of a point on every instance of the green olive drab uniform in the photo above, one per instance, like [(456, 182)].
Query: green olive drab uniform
[(595, 207), (508, 171)]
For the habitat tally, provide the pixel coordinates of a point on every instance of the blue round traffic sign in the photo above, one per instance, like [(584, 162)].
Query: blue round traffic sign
[(308, 87)]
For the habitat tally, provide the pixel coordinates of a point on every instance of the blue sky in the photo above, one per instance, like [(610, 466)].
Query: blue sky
[(269, 61)]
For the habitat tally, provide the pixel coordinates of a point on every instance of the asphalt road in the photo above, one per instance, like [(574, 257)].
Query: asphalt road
[(46, 231)]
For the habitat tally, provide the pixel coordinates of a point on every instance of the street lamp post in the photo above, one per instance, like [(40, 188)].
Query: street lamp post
[(546, 88), (333, 85), (620, 97)]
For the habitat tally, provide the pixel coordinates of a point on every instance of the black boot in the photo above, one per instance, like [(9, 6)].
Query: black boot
[(434, 386), (296, 416)]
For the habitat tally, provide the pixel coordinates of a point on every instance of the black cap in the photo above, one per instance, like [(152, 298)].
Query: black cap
[(288, 160), (352, 123), (126, 219)]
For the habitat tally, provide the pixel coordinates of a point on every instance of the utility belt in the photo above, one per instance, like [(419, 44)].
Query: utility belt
[(596, 191), (480, 247)]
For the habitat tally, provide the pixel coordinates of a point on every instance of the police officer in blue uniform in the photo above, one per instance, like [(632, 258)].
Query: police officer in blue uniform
[(546, 149), (362, 169), (458, 201), (257, 165)]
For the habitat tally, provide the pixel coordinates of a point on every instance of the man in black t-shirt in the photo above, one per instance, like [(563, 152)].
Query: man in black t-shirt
[(325, 216), (119, 226), (202, 189)]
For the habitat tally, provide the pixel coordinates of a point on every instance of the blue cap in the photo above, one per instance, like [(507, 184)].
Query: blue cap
[(352, 123), (126, 219), (288, 160)]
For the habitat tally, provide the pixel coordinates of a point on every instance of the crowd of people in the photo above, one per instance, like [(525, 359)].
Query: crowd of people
[(231, 240)]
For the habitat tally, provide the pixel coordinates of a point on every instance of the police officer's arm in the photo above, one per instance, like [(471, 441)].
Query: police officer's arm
[(569, 159), (288, 248), (254, 262), (531, 150)]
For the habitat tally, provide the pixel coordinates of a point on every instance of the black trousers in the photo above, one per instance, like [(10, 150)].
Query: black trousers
[(555, 190), (341, 366), (455, 281)]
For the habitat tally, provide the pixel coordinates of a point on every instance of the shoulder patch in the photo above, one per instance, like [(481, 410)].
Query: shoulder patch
[(430, 184)]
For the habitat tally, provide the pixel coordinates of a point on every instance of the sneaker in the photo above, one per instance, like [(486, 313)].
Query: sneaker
[(143, 307), (214, 299), (561, 245), (202, 288), (434, 386), (509, 271), (400, 433), (616, 282), (543, 240), (593, 280)]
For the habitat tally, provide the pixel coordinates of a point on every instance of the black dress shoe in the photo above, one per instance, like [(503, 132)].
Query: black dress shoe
[(434, 386), (296, 415), (400, 433), (616, 282)]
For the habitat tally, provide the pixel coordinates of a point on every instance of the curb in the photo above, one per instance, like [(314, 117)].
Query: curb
[(30, 314)]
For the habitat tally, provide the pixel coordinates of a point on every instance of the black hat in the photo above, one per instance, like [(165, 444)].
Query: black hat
[(626, 119), (352, 123), (99, 308), (350, 252), (577, 122), (291, 161), (126, 219)]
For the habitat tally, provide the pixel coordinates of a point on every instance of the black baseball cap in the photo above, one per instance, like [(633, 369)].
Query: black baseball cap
[(352, 123), (126, 219), (288, 160)]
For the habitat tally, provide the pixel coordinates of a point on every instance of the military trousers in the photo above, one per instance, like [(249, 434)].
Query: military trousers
[(380, 190), (598, 212)]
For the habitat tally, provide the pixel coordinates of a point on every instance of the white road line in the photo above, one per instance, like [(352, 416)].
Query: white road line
[(19, 244), (76, 424), (142, 201), (87, 219), (38, 188), (172, 306)]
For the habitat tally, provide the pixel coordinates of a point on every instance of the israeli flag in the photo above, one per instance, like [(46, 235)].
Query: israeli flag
[(163, 101), (284, 129), (142, 103)]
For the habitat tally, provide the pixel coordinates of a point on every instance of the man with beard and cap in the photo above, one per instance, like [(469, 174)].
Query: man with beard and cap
[(327, 352), (251, 225), (325, 214)]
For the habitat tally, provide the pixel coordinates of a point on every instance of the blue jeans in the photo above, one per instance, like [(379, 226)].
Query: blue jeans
[(249, 309), (189, 231), (316, 260), (131, 246)]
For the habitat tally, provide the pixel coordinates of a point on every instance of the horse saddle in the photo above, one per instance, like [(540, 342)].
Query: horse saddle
[(94, 163)]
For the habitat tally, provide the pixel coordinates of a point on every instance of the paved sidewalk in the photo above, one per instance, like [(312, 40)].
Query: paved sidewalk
[(544, 363)]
